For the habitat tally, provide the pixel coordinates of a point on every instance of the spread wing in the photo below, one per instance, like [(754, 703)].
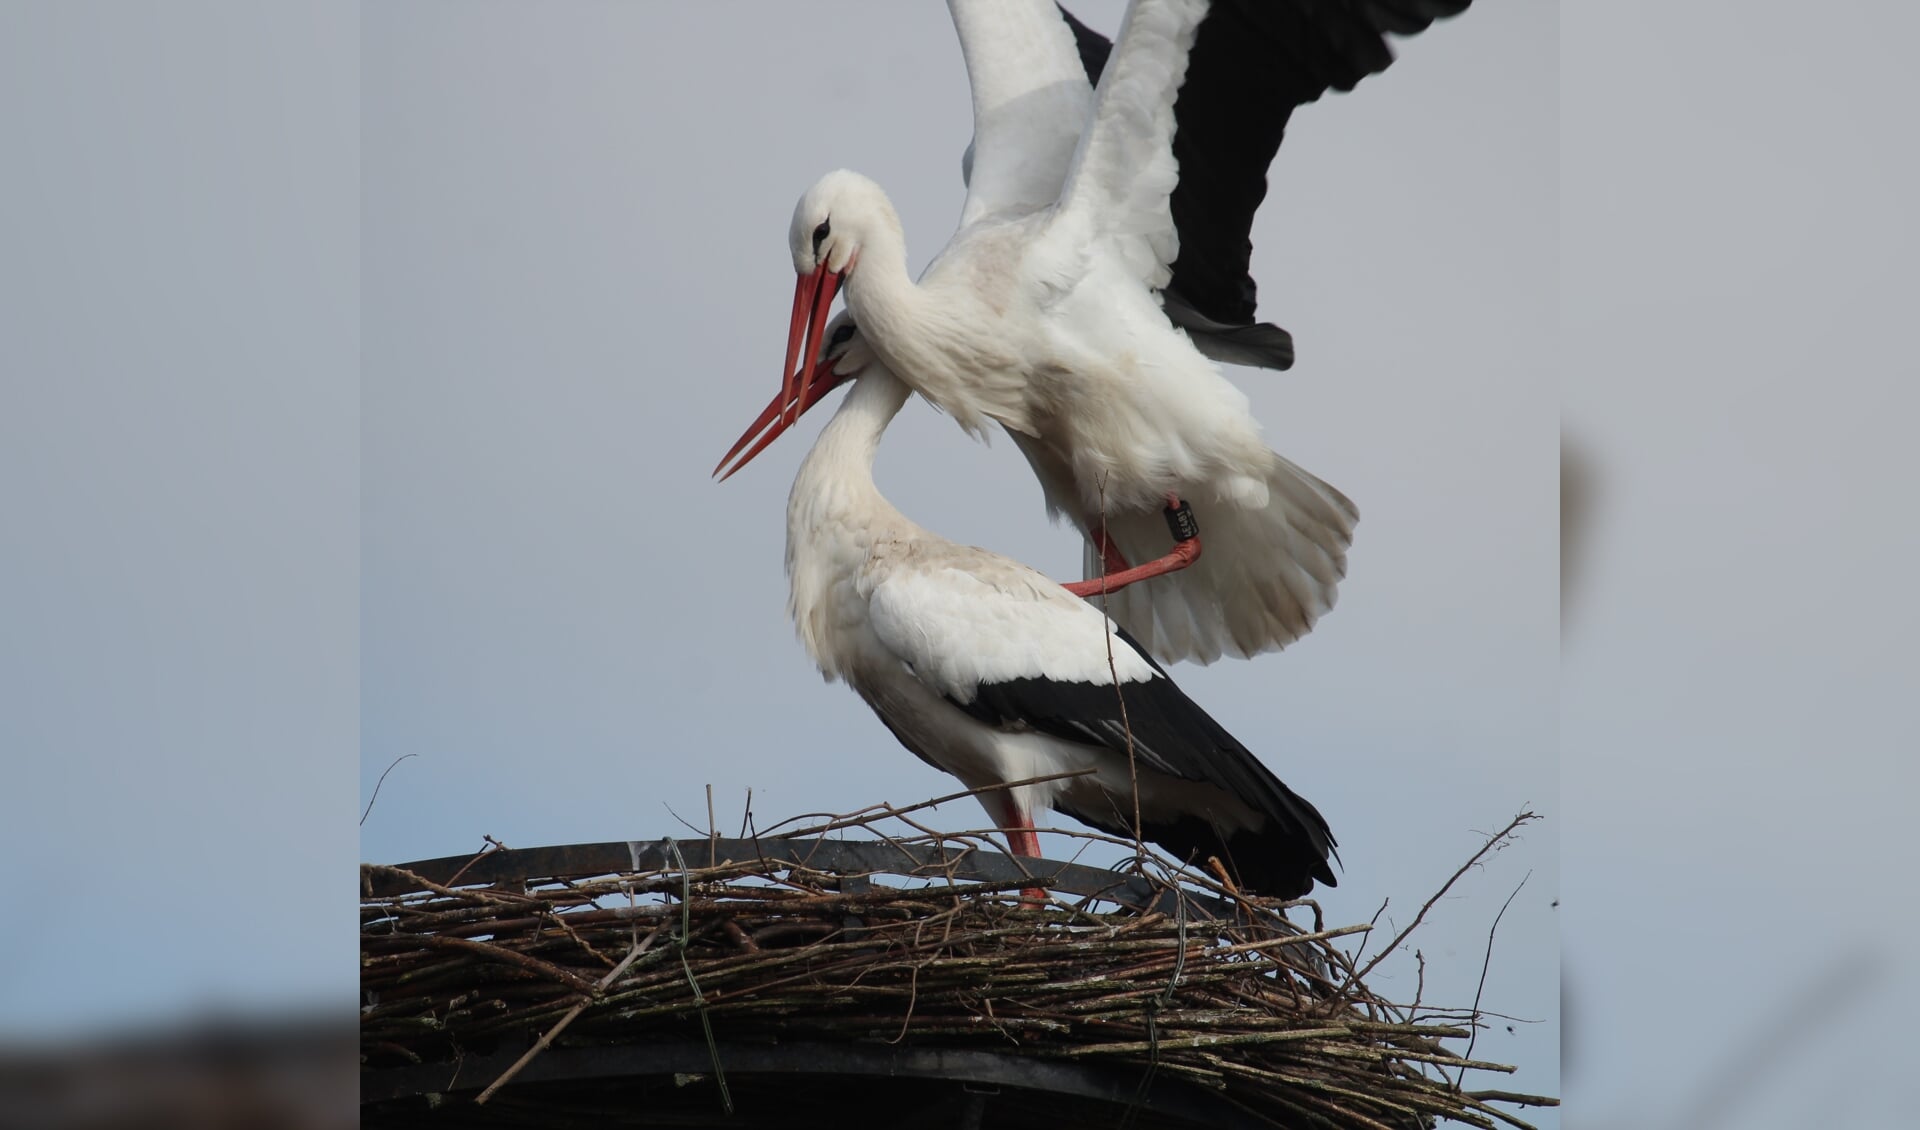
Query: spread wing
[(1030, 99), (1252, 63)]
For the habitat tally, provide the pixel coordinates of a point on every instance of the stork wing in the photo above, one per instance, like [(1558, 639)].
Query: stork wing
[(1166, 732), (1016, 652), (962, 617), (1013, 649), (1030, 99), (1123, 172), (1252, 63)]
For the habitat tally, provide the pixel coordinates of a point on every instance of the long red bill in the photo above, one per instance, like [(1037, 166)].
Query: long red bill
[(799, 329), (772, 418), (822, 285), (805, 378)]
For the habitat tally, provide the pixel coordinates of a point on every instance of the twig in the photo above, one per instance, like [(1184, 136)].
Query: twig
[(700, 1001), (879, 811), (684, 822), (1513, 1097), (1485, 964), (510, 957), (1494, 841), (1119, 695), (382, 781), (560, 1025), (1374, 921), (493, 846)]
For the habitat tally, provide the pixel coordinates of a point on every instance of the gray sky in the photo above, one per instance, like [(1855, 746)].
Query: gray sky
[(179, 509), (1738, 720), (575, 289)]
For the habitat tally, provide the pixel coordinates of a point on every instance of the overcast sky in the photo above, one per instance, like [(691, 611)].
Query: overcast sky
[(575, 289)]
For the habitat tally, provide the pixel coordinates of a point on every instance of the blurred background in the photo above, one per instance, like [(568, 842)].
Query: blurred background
[(360, 370), (179, 541), (1737, 249)]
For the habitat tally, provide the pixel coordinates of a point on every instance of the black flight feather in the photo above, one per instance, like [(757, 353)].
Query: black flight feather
[(1173, 736), (1252, 62)]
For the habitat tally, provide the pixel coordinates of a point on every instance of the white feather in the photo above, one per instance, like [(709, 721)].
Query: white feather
[(1030, 101), (960, 617), (1119, 188)]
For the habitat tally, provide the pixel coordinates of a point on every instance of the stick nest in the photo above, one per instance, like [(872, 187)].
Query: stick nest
[(1163, 974)]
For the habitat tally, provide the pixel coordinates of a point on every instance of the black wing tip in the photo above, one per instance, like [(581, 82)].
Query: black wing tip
[(1236, 338), (1262, 345), (1287, 868), (1275, 861), (1411, 17)]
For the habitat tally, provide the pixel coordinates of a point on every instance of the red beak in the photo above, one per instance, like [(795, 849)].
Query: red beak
[(803, 381)]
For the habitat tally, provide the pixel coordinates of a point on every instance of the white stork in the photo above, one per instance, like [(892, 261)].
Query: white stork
[(1043, 312), (990, 671)]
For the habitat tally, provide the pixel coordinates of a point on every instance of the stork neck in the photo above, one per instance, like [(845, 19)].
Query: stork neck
[(836, 514), (835, 484), (883, 298)]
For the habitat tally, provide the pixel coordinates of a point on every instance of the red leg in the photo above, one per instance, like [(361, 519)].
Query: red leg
[(1186, 550), (1109, 554), (1022, 839)]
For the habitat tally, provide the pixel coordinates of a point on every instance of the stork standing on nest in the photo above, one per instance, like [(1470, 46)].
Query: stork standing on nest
[(990, 671), (1044, 311)]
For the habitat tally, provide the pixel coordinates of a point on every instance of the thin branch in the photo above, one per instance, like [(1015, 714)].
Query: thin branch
[(560, 1025), (493, 847), (1119, 694), (382, 781), (879, 811), (1493, 842), (1485, 964)]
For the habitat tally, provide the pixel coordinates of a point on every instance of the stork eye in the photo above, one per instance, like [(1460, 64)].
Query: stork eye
[(841, 335), (820, 234)]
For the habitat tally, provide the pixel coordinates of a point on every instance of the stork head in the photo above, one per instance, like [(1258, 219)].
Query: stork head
[(842, 357), (834, 219), (840, 215)]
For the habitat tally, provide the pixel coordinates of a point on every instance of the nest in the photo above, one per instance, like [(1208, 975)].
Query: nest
[(719, 981)]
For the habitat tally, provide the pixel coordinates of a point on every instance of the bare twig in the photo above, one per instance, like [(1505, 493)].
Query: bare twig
[(1485, 964), (875, 812), (1119, 694), (1494, 841), (382, 781), (560, 1025), (492, 847), (713, 837)]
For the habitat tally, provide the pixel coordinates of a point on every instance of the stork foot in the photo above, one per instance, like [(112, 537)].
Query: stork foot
[(1186, 550)]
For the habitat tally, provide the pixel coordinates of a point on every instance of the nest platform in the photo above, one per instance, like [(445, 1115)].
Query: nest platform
[(803, 981)]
